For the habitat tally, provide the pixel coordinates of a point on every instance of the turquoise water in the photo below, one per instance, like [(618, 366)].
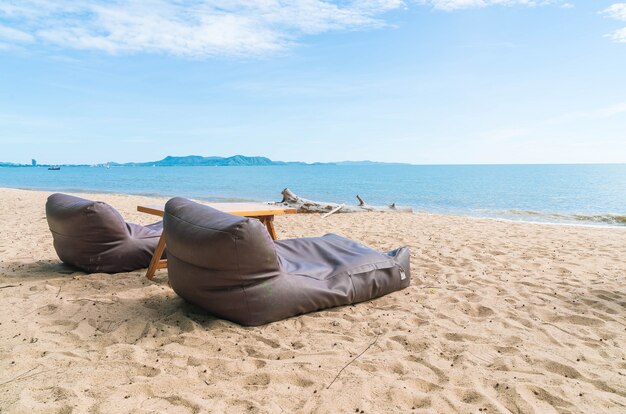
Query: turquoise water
[(594, 194)]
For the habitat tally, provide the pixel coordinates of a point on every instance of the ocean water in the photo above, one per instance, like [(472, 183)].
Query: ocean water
[(587, 194)]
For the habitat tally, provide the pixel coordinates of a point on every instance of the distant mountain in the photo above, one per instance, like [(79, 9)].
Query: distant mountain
[(197, 160), (235, 160)]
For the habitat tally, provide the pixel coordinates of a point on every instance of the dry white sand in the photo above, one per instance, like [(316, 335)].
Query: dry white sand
[(500, 317)]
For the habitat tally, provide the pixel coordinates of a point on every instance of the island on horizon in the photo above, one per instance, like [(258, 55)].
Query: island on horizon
[(200, 161)]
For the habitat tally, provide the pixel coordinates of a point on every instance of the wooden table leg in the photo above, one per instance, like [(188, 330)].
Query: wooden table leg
[(156, 262), (269, 223)]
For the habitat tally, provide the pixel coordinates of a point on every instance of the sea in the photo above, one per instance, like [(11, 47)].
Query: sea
[(567, 194)]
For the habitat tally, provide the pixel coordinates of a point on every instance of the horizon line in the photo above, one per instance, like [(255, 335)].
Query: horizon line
[(303, 163)]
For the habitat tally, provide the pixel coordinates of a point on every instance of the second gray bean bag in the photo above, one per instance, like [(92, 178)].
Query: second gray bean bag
[(231, 267), (94, 237)]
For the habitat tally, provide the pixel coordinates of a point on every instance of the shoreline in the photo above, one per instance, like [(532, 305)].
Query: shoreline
[(500, 316), (582, 223)]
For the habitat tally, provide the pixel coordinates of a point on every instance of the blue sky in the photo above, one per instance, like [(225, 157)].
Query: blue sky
[(428, 82)]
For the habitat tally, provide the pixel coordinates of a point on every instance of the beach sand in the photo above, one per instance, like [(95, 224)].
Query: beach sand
[(500, 317)]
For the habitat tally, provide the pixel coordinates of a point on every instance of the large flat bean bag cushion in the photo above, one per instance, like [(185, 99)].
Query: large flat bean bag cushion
[(93, 236), (230, 266)]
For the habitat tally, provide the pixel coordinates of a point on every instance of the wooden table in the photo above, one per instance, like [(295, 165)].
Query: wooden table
[(263, 212)]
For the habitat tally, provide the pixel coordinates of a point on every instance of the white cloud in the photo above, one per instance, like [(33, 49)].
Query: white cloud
[(617, 11), (200, 27), (619, 35), (185, 27)]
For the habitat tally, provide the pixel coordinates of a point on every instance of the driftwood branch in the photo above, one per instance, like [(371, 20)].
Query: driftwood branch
[(309, 206), (333, 211)]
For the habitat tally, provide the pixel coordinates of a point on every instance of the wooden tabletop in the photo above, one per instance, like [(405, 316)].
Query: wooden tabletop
[(237, 209)]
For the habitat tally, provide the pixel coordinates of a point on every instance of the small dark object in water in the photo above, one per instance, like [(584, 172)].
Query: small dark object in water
[(54, 168)]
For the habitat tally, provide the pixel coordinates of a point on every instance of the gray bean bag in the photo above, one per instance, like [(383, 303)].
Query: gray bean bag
[(93, 236), (231, 267)]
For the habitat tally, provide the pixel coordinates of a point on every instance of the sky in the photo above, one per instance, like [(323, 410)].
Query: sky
[(417, 81)]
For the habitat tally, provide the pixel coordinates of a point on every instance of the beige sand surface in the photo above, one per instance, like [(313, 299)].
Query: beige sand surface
[(500, 317)]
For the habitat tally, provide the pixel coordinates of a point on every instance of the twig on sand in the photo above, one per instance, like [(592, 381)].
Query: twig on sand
[(8, 286), (59, 292), (353, 359), (21, 375), (36, 309), (91, 300), (25, 375)]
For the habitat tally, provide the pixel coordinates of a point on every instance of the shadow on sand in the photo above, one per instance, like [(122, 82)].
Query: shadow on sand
[(38, 270)]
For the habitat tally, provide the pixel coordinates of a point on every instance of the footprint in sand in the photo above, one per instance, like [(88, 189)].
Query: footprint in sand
[(146, 371), (461, 337), (270, 342), (560, 369), (480, 311), (258, 379), (421, 403), (549, 398), (411, 345), (45, 395)]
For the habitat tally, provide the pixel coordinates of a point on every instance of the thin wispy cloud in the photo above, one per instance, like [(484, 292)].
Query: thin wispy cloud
[(597, 114), (14, 35), (617, 11), (570, 118), (450, 5)]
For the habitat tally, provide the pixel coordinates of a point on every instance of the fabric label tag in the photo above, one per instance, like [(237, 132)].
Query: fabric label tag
[(402, 274)]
